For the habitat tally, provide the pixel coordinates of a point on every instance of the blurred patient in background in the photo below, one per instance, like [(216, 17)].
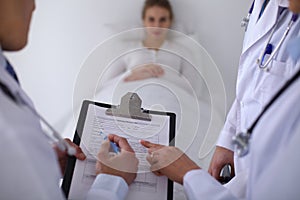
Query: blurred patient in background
[(157, 16), (155, 51), (150, 59)]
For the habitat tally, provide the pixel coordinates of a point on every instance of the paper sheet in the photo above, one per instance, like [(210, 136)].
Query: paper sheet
[(146, 185)]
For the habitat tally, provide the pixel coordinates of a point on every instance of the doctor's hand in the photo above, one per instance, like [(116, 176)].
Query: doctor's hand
[(144, 72), (62, 156), (220, 158), (123, 164), (168, 161)]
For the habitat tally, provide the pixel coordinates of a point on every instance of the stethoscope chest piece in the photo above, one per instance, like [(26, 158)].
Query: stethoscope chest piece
[(241, 142)]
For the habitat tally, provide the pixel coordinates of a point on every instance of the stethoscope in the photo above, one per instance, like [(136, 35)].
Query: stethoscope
[(245, 20), (242, 140), (20, 101), (268, 49)]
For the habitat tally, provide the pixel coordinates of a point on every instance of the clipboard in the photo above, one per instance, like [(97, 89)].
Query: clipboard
[(79, 174)]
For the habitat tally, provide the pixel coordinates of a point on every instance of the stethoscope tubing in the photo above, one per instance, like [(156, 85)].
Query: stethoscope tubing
[(285, 34), (242, 139), (260, 60), (275, 97), (19, 100), (61, 144)]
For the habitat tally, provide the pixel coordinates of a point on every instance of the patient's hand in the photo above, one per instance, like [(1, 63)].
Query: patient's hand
[(144, 72), (124, 164)]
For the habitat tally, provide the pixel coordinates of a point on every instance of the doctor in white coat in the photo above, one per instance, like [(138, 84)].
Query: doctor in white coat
[(256, 86)]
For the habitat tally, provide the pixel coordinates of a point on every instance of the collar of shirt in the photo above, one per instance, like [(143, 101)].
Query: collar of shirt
[(9, 81), (163, 46), (283, 3), (3, 65), (4, 75), (2, 59)]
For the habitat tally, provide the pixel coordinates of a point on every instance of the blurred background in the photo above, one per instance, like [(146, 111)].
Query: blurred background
[(63, 33)]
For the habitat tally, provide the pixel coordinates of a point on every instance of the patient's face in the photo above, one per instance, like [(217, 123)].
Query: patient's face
[(295, 6), (157, 17)]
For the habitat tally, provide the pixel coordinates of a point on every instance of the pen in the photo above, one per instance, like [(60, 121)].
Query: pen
[(268, 51), (113, 145)]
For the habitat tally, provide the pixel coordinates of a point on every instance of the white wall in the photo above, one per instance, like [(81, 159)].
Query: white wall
[(64, 32)]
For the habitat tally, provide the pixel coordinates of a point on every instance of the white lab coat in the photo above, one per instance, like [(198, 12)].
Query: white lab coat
[(255, 87), (274, 168), (29, 168)]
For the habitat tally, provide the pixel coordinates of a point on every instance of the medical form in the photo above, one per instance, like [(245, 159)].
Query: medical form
[(146, 184)]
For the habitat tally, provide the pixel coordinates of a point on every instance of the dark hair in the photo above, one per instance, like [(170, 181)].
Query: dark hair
[(160, 3)]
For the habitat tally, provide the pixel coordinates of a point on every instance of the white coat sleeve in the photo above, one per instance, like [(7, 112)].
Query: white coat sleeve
[(229, 129), (198, 184), (108, 187)]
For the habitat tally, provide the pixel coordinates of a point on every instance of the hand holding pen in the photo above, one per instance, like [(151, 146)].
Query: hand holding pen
[(123, 164), (113, 145)]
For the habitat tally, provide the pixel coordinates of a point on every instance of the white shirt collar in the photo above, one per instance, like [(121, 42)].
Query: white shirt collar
[(9, 81), (283, 3), (164, 44), (5, 77), (2, 59)]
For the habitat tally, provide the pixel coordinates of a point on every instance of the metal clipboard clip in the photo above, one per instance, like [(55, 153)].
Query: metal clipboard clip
[(130, 107)]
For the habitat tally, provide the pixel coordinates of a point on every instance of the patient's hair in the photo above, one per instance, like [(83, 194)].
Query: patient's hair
[(160, 3)]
